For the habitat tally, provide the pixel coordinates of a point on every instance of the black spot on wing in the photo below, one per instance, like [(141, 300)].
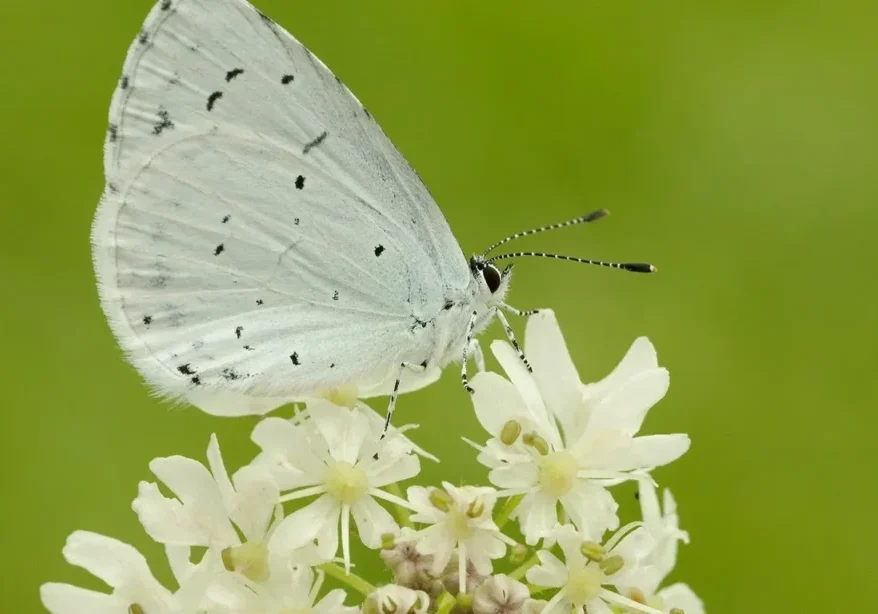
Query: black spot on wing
[(366, 111), (296, 221), (166, 4), (123, 82), (186, 369), (311, 145), (219, 249), (259, 301), (335, 295), (147, 320), (164, 122), (226, 219), (248, 348), (332, 366), (300, 182), (211, 100), (265, 18), (112, 188), (238, 331), (231, 374), (234, 73), (143, 38), (287, 79), (112, 132), (295, 358), (379, 250), (196, 380)]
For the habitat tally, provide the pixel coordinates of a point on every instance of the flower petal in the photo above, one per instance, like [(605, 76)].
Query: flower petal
[(304, 525), (527, 389), (540, 517), (641, 356), (679, 595), (518, 475), (554, 372), (373, 521), (625, 406), (592, 509), (391, 468), (256, 495), (196, 489), (68, 599), (496, 401), (550, 572)]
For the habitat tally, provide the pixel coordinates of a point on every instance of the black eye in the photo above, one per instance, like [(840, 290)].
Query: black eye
[(492, 277)]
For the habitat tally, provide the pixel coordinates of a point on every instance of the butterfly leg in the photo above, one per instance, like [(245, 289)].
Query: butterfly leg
[(518, 312), (475, 350), (511, 336), (395, 394), (466, 346)]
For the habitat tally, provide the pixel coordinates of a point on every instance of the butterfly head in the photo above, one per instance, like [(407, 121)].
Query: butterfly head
[(491, 281)]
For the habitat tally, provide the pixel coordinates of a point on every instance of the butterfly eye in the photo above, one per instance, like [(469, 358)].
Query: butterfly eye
[(492, 277), (448, 305)]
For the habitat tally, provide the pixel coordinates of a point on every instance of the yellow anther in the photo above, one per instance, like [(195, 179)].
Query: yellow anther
[(510, 432), (475, 509), (612, 564), (592, 551), (440, 499)]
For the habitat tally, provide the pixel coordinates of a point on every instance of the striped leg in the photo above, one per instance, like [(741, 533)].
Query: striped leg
[(511, 336), (518, 312), (393, 396), (466, 346)]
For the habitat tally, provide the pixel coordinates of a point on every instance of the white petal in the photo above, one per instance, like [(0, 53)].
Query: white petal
[(681, 596), (290, 450), (625, 406), (344, 430), (304, 525), (649, 507), (179, 560), (592, 509), (550, 572), (166, 520), (527, 388), (435, 540), (255, 497), (554, 372), (597, 606), (541, 517), (109, 559), (196, 489), (373, 521), (68, 599), (518, 475), (496, 401), (654, 451), (391, 468), (640, 357)]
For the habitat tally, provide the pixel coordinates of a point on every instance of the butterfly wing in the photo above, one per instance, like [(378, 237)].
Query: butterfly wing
[(259, 236)]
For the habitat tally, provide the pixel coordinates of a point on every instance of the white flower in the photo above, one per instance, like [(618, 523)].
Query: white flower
[(460, 518), (395, 599), (659, 556), (557, 440), (294, 588), (663, 526), (585, 573), (337, 454), (121, 566), (500, 594), (207, 509)]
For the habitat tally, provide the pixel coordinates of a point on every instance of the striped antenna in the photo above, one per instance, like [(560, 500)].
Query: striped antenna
[(634, 267), (585, 219)]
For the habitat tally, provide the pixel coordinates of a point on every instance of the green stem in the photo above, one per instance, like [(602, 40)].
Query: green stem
[(518, 572), (402, 514), (351, 579), (506, 512), (445, 603)]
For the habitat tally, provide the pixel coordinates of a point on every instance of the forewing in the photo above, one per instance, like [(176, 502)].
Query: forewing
[(259, 235)]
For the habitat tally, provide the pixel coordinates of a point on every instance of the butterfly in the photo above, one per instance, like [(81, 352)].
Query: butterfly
[(260, 240)]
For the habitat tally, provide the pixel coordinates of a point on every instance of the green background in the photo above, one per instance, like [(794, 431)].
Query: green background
[(734, 142)]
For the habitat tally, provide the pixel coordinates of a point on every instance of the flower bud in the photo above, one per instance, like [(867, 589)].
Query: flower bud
[(500, 594), (517, 554)]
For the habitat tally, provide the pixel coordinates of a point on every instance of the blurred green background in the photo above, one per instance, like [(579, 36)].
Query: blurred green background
[(734, 142)]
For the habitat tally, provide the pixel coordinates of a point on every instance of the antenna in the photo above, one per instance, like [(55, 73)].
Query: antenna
[(585, 219), (634, 267)]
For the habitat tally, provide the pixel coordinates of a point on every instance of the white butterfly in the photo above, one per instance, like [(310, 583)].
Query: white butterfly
[(260, 240)]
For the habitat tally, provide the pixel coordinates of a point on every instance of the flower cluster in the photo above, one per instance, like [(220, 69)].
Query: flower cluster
[(263, 539)]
